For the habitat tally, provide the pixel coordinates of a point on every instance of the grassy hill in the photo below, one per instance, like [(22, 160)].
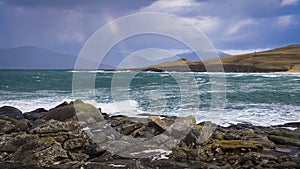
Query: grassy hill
[(285, 59)]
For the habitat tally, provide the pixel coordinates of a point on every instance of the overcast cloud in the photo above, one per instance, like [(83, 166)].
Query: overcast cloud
[(64, 25)]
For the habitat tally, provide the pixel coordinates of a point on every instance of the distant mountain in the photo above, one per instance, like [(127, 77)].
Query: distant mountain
[(143, 61), (29, 57), (276, 60), (193, 57)]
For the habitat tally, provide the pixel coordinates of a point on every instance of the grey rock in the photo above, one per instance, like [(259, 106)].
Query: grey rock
[(83, 112), (128, 129), (181, 127)]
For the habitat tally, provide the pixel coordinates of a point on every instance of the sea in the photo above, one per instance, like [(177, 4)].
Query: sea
[(258, 98)]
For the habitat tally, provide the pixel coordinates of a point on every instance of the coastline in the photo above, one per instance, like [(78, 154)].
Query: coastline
[(65, 137)]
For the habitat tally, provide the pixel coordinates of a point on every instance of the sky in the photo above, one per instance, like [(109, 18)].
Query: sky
[(233, 26)]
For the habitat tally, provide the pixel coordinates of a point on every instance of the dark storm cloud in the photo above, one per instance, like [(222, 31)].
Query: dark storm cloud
[(87, 4)]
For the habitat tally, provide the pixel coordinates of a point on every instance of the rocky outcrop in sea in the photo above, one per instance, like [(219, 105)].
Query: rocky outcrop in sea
[(79, 135)]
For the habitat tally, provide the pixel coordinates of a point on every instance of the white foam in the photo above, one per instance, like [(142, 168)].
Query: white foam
[(271, 75), (290, 128), (117, 165), (32, 104), (86, 71)]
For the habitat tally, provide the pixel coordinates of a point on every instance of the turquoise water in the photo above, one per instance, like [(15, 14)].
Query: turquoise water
[(261, 99)]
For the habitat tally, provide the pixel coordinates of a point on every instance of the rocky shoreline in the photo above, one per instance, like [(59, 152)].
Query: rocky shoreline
[(79, 135)]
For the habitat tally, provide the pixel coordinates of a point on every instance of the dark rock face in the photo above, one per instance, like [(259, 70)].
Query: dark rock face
[(11, 112), (36, 114), (75, 135)]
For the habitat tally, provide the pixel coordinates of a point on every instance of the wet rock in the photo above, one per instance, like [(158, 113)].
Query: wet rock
[(85, 140), (238, 145), (291, 124), (42, 152), (285, 133), (73, 144), (256, 158), (6, 126), (36, 114), (284, 140), (11, 112), (61, 113)]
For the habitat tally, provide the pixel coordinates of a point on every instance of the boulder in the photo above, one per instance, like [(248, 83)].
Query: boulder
[(36, 114), (158, 123), (21, 125), (11, 112), (61, 113), (181, 127), (83, 111), (6, 126), (284, 140)]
